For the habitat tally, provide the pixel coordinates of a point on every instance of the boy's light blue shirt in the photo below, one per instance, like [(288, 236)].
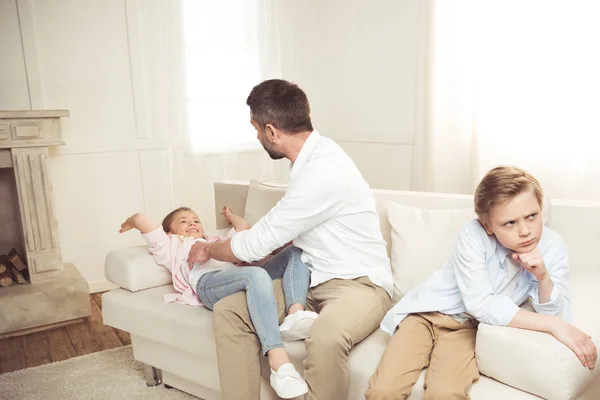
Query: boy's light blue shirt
[(472, 280)]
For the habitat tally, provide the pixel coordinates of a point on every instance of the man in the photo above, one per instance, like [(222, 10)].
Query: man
[(329, 212)]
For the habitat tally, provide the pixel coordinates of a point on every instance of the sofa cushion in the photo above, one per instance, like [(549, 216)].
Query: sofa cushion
[(262, 197), (422, 240), (532, 361), (134, 269), (363, 361), (365, 356)]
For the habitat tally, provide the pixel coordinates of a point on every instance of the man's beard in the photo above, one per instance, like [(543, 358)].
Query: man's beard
[(274, 154)]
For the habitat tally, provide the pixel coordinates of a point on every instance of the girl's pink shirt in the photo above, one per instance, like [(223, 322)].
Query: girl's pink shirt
[(171, 252)]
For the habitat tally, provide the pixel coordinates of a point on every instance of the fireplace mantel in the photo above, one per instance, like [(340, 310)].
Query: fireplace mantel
[(31, 128), (57, 292), (33, 114)]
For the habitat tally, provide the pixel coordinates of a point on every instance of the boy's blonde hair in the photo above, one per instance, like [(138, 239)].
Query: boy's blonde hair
[(166, 223), (503, 183)]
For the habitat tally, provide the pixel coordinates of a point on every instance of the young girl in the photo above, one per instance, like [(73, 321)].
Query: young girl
[(207, 283)]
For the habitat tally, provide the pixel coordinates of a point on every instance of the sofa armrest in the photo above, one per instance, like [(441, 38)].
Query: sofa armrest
[(532, 361), (134, 269)]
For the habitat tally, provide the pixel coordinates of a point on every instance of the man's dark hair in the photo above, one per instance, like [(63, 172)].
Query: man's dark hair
[(282, 104)]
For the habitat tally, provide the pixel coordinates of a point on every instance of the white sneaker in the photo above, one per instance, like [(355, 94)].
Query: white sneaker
[(297, 325), (287, 382)]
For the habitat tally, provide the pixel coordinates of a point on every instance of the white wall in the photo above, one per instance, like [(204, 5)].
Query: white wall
[(358, 62), (92, 58), (78, 58), (88, 57), (13, 79)]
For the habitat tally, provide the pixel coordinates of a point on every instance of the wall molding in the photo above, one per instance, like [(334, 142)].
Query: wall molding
[(137, 69), (25, 10), (422, 179)]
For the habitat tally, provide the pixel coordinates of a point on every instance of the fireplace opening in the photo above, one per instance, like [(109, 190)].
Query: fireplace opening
[(13, 270), (13, 264)]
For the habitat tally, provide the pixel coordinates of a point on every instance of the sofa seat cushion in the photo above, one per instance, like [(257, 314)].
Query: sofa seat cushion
[(363, 361), (190, 329), (364, 358), (144, 313)]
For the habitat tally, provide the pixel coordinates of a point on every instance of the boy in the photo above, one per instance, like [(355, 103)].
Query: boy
[(501, 259)]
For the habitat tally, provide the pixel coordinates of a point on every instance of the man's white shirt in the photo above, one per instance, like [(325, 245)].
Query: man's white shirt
[(329, 212)]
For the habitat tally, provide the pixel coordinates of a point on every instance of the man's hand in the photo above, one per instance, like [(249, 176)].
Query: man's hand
[(198, 253), (576, 340), (534, 263)]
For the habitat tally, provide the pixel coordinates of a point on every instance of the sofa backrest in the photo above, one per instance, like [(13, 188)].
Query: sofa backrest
[(577, 222), (235, 193), (430, 201)]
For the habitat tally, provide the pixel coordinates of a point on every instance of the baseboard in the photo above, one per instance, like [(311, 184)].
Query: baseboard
[(101, 286)]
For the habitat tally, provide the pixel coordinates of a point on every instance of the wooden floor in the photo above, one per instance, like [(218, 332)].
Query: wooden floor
[(63, 343)]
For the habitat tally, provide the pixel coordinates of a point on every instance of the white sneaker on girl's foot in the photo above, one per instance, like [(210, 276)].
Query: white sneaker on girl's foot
[(287, 382), (297, 325)]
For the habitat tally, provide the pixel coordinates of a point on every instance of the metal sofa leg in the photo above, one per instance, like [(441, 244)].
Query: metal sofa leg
[(153, 376)]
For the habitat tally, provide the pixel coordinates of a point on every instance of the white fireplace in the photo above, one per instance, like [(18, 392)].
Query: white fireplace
[(55, 292)]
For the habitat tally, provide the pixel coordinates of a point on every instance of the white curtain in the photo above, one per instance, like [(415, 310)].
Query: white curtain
[(511, 82), (180, 104), (221, 144)]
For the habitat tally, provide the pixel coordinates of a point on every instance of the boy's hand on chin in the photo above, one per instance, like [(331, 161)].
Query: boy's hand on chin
[(533, 262)]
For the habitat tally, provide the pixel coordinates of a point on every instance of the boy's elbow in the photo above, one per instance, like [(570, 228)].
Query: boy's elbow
[(493, 309), (482, 313), (476, 311)]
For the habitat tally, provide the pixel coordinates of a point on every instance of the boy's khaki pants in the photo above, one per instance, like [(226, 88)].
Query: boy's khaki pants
[(431, 340), (349, 310)]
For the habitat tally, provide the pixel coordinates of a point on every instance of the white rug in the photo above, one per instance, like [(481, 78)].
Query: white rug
[(107, 375)]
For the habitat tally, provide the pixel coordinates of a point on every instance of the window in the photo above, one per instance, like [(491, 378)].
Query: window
[(222, 65)]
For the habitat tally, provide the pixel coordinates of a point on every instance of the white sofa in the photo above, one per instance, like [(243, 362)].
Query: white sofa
[(515, 364)]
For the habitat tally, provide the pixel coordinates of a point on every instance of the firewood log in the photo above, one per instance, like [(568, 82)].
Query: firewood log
[(6, 279), (15, 260), (18, 276), (4, 264)]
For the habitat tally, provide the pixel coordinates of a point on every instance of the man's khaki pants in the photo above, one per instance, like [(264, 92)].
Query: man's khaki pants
[(349, 310), (431, 340)]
